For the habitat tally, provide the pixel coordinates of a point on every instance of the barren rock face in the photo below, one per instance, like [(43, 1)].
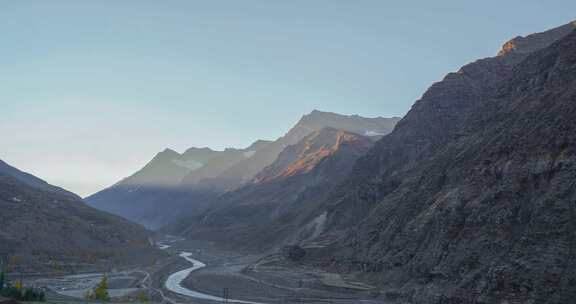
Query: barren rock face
[(534, 42), (471, 198)]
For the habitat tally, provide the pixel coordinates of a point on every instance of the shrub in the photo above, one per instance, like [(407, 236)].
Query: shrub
[(26, 294)]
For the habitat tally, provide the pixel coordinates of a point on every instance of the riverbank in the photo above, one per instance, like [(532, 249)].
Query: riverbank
[(258, 278)]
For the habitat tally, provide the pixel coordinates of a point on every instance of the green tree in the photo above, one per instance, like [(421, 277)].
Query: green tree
[(2, 280), (10, 292), (28, 294)]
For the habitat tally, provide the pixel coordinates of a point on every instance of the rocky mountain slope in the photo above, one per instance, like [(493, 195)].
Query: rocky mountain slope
[(32, 180), (471, 198), (276, 203), (172, 185), (40, 228)]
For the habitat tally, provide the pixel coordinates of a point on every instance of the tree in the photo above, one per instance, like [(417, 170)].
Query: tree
[(2, 279), (10, 292), (15, 260), (101, 290), (141, 297), (29, 294)]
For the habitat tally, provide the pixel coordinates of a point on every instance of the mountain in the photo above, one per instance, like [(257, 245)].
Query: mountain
[(164, 189), (243, 172), (471, 198), (316, 120), (168, 168), (42, 225), (276, 202), (220, 163), (172, 186), (305, 155), (32, 180)]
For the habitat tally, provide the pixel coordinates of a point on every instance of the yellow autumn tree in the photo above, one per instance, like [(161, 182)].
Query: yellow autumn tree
[(101, 291), (141, 297)]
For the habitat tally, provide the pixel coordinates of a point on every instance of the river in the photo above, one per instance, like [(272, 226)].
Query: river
[(174, 282)]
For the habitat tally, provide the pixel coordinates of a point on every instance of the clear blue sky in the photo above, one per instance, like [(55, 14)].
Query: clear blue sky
[(90, 90)]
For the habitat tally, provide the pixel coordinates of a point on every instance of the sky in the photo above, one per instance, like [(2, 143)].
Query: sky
[(91, 90)]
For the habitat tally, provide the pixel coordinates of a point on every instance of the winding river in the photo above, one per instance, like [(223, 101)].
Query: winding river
[(174, 282)]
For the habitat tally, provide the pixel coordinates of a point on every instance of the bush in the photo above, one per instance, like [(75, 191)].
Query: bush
[(27, 294), (10, 292), (31, 294)]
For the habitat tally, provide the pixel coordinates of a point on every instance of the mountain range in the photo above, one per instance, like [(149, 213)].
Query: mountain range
[(173, 185), (469, 198)]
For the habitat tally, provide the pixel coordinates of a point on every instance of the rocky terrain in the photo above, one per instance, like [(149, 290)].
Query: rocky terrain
[(470, 199), (42, 229), (280, 198)]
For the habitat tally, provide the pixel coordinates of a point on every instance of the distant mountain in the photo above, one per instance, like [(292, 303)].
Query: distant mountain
[(275, 204), (316, 120), (471, 198), (165, 188), (32, 180), (243, 172), (43, 225), (168, 168), (172, 186), (220, 163)]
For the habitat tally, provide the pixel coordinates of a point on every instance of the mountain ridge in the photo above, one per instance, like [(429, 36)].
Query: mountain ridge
[(244, 172), (143, 196), (32, 180)]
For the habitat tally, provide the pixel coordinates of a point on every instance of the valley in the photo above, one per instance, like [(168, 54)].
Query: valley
[(469, 198), (199, 272)]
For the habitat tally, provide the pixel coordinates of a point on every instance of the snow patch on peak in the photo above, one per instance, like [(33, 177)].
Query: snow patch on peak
[(249, 154), (374, 133), (133, 189), (188, 164)]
